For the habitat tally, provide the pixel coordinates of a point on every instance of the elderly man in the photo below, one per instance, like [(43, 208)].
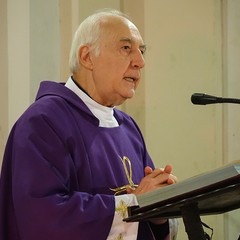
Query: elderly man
[(73, 162)]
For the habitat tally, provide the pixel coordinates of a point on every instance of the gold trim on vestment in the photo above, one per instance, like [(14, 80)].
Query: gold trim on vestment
[(128, 171)]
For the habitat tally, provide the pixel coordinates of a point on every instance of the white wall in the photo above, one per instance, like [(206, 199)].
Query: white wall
[(231, 127), (44, 43)]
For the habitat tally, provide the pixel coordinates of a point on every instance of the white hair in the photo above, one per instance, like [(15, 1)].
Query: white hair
[(88, 32)]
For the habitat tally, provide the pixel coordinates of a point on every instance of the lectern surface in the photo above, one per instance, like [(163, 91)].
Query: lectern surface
[(214, 202)]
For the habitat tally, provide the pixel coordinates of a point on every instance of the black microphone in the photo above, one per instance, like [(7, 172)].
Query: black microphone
[(203, 99)]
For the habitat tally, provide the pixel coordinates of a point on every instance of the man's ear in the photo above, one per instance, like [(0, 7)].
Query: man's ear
[(84, 57)]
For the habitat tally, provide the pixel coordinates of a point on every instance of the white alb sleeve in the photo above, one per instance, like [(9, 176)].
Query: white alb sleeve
[(121, 229), (173, 228)]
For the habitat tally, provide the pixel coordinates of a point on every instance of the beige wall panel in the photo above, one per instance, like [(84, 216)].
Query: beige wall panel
[(65, 15), (18, 58), (4, 78), (136, 106), (184, 56), (93, 5)]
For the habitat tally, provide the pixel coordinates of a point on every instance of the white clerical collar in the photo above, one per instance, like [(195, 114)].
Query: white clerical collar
[(104, 114)]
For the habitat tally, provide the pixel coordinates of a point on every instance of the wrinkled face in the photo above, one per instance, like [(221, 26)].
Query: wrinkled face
[(116, 70)]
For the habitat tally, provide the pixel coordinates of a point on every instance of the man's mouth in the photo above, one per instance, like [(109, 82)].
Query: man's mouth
[(130, 79)]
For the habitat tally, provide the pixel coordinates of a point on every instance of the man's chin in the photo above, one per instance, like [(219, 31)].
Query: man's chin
[(130, 94)]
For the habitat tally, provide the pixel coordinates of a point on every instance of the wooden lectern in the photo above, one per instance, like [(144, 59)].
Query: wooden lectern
[(215, 198)]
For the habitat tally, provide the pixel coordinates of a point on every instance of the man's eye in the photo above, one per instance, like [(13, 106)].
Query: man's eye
[(126, 47), (142, 50)]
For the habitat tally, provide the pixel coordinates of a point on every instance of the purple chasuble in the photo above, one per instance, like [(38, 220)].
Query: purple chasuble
[(59, 166)]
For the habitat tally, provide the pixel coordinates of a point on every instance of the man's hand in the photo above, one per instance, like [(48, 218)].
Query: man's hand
[(154, 179), (157, 178)]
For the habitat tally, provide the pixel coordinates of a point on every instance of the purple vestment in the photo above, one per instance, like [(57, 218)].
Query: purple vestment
[(59, 166)]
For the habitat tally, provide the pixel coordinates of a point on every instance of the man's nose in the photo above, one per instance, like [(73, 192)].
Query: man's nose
[(138, 60)]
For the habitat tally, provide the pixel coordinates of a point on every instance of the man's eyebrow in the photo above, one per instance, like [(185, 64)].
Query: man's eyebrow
[(129, 40), (143, 47), (126, 40)]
